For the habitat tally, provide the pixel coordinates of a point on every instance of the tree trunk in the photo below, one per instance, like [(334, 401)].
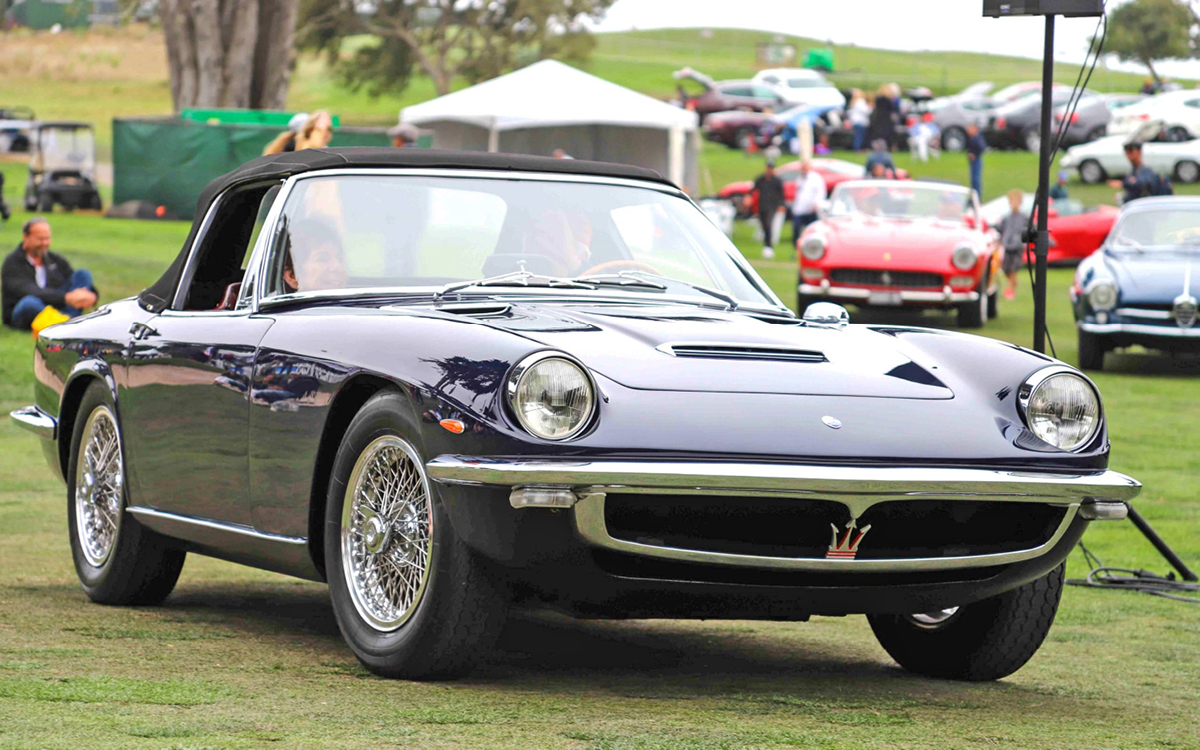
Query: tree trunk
[(229, 53), (275, 55), (1153, 73)]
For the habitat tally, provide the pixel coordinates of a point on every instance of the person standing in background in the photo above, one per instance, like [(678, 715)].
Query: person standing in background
[(1012, 241), (4, 212), (769, 189), (810, 193), (403, 135), (883, 117), (976, 145), (1142, 181), (859, 114), (316, 132)]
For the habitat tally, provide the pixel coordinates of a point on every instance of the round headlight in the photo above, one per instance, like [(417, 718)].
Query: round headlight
[(964, 258), (1102, 295), (1061, 408), (552, 397), (813, 248)]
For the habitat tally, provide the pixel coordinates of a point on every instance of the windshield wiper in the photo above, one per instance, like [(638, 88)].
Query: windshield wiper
[(516, 278), (726, 298)]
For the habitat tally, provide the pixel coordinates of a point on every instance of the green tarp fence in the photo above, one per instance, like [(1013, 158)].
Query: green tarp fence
[(168, 161)]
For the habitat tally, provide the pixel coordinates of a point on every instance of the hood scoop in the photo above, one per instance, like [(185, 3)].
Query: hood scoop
[(762, 352)]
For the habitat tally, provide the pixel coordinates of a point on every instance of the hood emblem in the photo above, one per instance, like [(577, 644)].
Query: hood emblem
[(832, 422), (1185, 310), (847, 548)]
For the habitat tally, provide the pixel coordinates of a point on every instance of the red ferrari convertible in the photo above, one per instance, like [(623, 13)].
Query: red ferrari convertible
[(1075, 232), (833, 171), (883, 243)]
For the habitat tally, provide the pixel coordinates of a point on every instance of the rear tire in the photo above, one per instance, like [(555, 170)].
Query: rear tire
[(1091, 351), (954, 139), (118, 560), (1091, 173), (986, 640), (432, 610), (1187, 171), (1032, 138)]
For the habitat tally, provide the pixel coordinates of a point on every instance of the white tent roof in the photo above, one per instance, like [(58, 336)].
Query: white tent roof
[(546, 94)]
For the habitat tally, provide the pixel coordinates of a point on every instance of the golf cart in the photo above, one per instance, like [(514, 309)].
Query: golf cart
[(14, 125), (62, 167)]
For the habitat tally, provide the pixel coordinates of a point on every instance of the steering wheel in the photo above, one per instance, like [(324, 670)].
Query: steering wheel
[(608, 266)]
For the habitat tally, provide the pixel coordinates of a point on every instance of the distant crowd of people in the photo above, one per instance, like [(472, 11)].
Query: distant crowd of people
[(315, 130)]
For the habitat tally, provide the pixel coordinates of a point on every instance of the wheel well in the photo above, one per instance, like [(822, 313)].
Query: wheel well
[(349, 400), (66, 416)]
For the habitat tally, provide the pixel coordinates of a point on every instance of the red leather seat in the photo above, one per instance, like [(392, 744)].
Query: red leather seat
[(229, 300)]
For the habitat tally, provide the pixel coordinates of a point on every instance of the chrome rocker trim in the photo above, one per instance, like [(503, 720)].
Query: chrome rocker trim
[(1139, 329), (36, 421), (858, 488), (906, 295)]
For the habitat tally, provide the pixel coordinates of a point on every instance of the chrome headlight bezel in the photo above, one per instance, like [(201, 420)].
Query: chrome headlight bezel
[(1027, 390), (522, 369), (814, 248), (964, 257), (1101, 285)]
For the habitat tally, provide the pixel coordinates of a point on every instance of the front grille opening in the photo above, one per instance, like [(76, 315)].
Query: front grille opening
[(897, 279), (803, 528), (737, 351)]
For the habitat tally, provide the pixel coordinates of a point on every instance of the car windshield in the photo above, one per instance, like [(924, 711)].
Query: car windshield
[(425, 234), (903, 200), (65, 149), (1159, 229)]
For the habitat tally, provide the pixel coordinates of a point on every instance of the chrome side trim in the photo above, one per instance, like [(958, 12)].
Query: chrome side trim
[(857, 487), (242, 544), (36, 421), (589, 522), (906, 295), (1140, 329)]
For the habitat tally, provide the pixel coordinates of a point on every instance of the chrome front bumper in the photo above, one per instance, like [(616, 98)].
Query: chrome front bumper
[(582, 485), (1139, 329), (944, 296), (36, 421)]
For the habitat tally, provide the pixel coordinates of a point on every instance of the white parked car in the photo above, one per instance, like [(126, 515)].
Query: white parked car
[(1179, 110), (802, 86), (1162, 150)]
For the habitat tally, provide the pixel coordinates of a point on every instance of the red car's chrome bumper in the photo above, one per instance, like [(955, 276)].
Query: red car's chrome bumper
[(945, 295)]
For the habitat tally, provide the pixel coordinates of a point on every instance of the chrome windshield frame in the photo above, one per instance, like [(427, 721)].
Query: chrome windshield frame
[(263, 251)]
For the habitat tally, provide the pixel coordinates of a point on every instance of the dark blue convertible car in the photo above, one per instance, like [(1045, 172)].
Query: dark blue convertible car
[(1141, 286), (449, 384)]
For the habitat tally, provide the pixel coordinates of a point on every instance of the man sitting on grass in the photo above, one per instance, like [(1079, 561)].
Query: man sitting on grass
[(38, 288)]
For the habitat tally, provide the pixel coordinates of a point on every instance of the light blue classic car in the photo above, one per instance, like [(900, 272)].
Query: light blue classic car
[(1140, 287)]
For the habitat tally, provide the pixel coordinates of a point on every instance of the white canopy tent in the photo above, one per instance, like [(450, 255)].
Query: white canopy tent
[(550, 105)]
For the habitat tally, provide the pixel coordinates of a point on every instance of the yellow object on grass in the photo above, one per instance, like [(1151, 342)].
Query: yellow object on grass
[(47, 317)]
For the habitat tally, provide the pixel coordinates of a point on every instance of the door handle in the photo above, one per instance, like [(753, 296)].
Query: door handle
[(141, 331)]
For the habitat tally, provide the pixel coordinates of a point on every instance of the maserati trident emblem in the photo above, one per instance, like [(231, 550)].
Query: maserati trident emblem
[(1185, 311), (832, 422), (847, 548)]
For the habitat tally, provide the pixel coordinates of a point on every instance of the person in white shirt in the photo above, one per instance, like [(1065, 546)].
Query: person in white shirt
[(810, 193), (859, 113)]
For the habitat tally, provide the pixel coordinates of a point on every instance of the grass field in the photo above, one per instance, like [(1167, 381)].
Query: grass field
[(242, 658)]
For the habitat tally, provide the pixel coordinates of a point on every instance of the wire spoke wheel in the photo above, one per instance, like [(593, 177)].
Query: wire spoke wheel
[(99, 487), (387, 533)]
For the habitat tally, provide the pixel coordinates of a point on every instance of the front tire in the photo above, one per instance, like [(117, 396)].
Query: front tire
[(1091, 351), (118, 560), (954, 139), (1091, 173), (975, 314), (1032, 139), (410, 598), (986, 640)]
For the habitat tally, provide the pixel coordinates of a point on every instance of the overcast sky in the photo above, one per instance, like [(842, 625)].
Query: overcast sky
[(891, 24)]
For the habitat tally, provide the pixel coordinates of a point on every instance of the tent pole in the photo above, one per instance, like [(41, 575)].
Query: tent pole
[(675, 155)]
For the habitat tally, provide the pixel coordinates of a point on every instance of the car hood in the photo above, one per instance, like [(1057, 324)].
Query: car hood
[(904, 243), (1154, 277)]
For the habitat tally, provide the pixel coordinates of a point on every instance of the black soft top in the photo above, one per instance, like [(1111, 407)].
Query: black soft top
[(280, 166)]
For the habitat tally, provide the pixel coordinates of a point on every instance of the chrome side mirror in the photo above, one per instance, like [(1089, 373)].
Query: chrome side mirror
[(826, 314)]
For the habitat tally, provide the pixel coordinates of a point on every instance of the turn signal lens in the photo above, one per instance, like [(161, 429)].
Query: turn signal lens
[(961, 281), (453, 425)]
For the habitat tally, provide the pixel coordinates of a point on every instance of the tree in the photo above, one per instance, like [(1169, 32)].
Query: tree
[(445, 39), (229, 53), (1148, 30)]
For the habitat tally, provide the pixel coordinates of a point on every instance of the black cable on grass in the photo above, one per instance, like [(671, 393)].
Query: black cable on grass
[(1141, 581), (1068, 112)]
